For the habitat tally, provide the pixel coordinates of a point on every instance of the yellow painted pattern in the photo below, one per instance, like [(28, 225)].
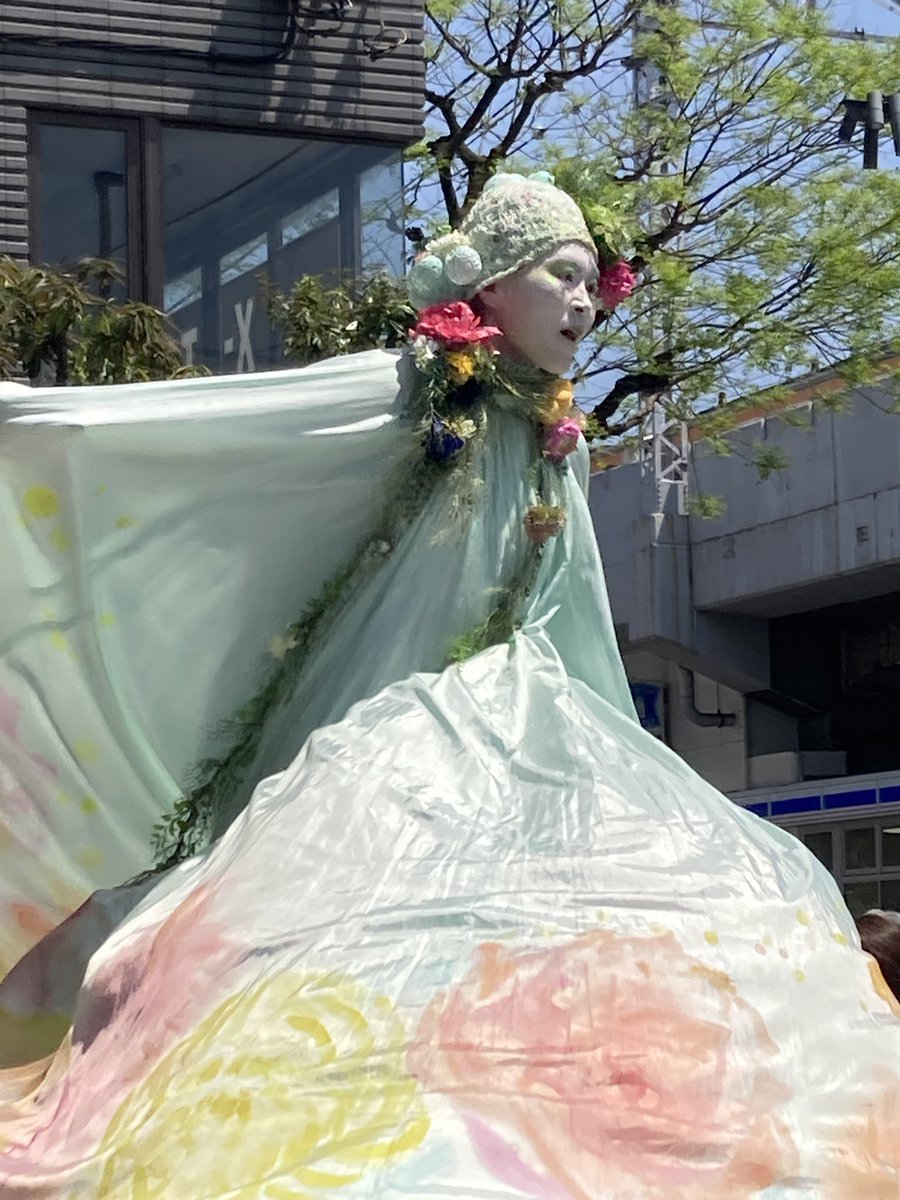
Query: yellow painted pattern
[(41, 502), (295, 1087)]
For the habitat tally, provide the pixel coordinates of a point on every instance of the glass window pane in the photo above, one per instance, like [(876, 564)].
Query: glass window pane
[(861, 897), (381, 211), (249, 257), (237, 206), (311, 217), (820, 844), (890, 894), (859, 849), (890, 846), (82, 195)]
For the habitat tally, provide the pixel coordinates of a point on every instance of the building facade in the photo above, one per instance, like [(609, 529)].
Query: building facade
[(764, 645), (203, 144)]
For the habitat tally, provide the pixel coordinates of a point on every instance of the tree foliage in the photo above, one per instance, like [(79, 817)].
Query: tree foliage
[(763, 247), (62, 327), (318, 321)]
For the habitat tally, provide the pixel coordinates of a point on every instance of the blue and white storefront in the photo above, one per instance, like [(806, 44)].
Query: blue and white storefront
[(851, 824)]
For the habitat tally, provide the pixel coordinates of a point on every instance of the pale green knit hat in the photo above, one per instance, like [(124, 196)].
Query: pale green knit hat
[(515, 221)]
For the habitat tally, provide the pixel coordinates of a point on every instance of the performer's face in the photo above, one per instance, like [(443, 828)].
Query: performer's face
[(547, 309)]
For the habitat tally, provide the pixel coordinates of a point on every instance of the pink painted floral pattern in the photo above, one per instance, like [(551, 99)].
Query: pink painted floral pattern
[(863, 1158), (132, 1011), (24, 777), (613, 1066)]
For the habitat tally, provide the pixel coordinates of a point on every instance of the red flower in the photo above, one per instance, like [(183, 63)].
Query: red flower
[(453, 325), (616, 283)]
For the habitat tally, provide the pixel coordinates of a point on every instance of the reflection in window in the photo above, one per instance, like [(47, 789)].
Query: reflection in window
[(861, 896), (311, 217), (819, 843), (184, 290), (249, 257), (240, 205), (890, 846), (381, 209), (859, 849), (82, 210), (890, 895)]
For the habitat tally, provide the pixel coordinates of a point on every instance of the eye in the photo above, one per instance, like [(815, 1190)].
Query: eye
[(592, 287)]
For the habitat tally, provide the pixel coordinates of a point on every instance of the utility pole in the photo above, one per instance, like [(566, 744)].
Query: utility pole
[(870, 113)]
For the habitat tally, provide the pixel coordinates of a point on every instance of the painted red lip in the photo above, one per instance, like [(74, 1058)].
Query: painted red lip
[(570, 334)]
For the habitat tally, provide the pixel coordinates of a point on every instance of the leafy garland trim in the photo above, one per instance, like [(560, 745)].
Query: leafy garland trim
[(447, 403)]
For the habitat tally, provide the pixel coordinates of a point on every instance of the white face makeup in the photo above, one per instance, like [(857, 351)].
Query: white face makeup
[(547, 309)]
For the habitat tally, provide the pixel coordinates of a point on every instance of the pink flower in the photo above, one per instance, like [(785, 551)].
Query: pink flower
[(616, 284), (611, 1066), (561, 439), (453, 325)]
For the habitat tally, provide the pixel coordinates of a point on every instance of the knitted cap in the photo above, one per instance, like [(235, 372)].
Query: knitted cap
[(516, 221)]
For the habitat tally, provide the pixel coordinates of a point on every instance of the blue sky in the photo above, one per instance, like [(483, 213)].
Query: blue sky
[(874, 16)]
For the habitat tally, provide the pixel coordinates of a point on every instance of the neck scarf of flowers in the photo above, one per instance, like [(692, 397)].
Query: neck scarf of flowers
[(459, 377)]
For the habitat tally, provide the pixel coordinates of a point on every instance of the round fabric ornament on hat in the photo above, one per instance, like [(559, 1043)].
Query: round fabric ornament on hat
[(426, 281), (463, 265)]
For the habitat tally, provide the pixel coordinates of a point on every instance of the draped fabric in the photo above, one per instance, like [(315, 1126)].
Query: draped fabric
[(477, 934), (154, 538)]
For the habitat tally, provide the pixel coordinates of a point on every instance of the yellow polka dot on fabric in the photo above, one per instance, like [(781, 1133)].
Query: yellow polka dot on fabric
[(90, 857), (107, 620), (125, 522), (100, 489), (41, 502), (59, 540), (712, 937), (803, 917), (840, 938), (799, 976), (86, 751), (60, 641), (89, 804)]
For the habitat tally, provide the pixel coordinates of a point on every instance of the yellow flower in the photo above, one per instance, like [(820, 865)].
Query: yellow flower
[(462, 365), (559, 403), (463, 427), (295, 1086)]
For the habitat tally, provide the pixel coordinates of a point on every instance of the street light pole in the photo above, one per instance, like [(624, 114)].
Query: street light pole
[(871, 113)]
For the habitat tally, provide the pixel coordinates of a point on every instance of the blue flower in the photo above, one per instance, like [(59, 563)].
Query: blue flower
[(441, 442)]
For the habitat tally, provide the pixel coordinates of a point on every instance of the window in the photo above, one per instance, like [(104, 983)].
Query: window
[(81, 208), (863, 856), (196, 217)]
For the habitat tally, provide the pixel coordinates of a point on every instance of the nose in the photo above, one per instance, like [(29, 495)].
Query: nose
[(582, 302)]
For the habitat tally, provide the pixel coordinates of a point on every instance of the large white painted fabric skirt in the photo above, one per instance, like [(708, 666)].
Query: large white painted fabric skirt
[(482, 937)]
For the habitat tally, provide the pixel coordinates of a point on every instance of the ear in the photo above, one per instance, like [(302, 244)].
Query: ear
[(489, 299)]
